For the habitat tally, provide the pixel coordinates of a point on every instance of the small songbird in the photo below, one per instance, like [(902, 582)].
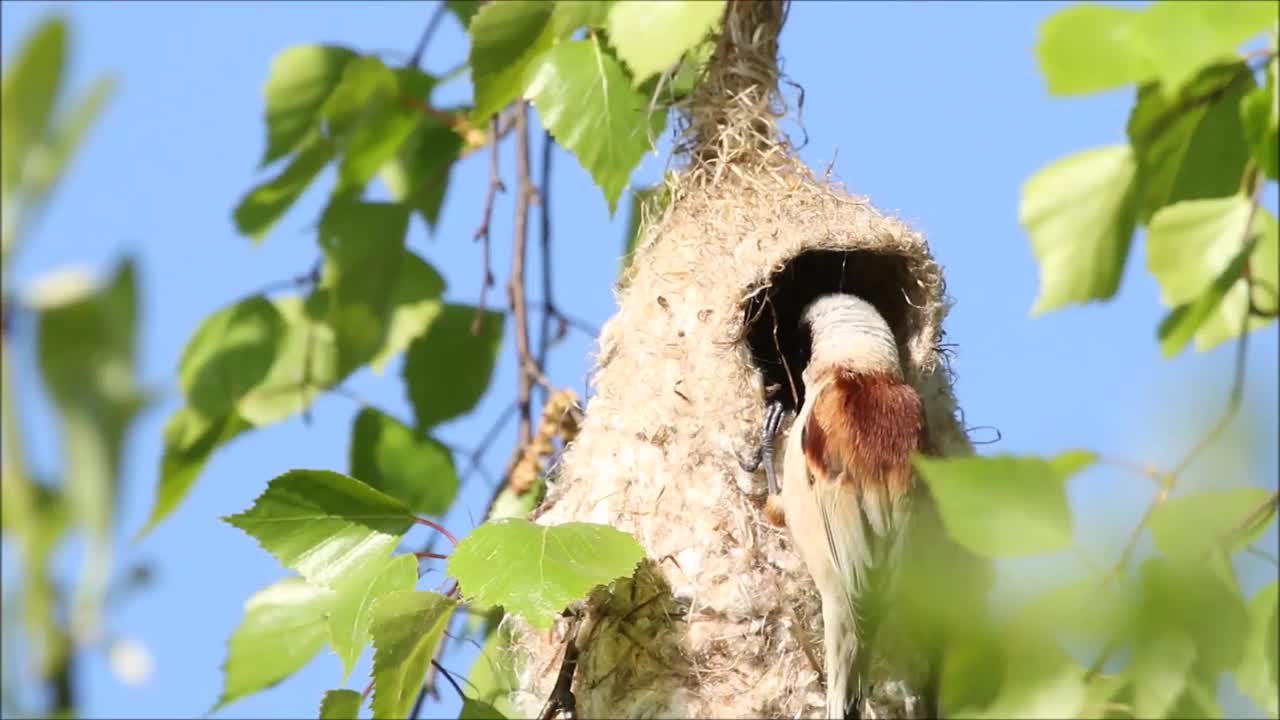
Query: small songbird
[(847, 480)]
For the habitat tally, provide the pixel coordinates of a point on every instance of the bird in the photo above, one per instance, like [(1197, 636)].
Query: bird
[(847, 481)]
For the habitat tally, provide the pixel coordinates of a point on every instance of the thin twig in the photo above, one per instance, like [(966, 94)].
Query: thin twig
[(515, 285), (544, 243), (415, 60), (486, 441), (437, 527), (482, 232)]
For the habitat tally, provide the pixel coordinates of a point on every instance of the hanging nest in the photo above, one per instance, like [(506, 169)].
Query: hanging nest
[(722, 620)]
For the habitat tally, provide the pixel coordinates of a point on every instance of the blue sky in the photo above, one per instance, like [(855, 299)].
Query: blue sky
[(937, 111)]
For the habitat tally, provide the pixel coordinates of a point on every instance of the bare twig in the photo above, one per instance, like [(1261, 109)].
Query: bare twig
[(482, 232), (544, 243), (415, 60), (515, 285)]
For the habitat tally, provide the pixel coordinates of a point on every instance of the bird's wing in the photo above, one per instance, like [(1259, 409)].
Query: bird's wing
[(857, 443)]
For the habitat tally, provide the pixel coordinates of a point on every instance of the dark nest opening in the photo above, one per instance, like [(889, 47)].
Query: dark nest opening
[(779, 342)]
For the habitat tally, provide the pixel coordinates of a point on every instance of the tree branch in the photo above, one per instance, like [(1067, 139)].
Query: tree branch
[(515, 286), (415, 60)]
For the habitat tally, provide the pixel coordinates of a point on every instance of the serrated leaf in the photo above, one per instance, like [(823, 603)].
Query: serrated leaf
[(1260, 115), (406, 628), (229, 354), (1191, 246), (306, 363), (364, 248), (299, 84), (415, 304), (1191, 147), (340, 705), (1079, 212), (189, 440), (283, 628), (355, 594), (535, 571), (411, 467), (447, 369), (1160, 667), (1202, 528), (1086, 48), (589, 107), (262, 206), (1256, 673), (651, 37), (1005, 505), (418, 174), (324, 524), (505, 38), (1181, 37), (32, 81), (569, 15)]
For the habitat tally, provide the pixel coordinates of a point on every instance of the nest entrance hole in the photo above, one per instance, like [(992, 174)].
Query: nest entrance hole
[(780, 343)]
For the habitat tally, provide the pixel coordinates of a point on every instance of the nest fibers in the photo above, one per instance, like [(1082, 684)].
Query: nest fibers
[(722, 620)]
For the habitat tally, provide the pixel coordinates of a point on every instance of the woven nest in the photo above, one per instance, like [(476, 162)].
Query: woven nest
[(723, 620)]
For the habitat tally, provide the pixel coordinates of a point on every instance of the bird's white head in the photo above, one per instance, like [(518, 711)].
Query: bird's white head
[(849, 332)]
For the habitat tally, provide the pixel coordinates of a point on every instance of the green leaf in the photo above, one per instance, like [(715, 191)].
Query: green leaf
[(587, 104), (1183, 322), (1192, 147), (1161, 664), (299, 84), (1202, 528), (1178, 598), (28, 92), (1005, 505), (1256, 673), (262, 206), (1181, 37), (651, 200), (283, 628), (418, 174), (364, 249), (324, 524), (306, 363), (1260, 115), (447, 369), (341, 705), (464, 9), (1079, 212), (535, 571), (376, 116), (189, 440), (406, 629), (356, 592), (1086, 48), (413, 468), (1191, 248), (415, 304), (493, 677), (477, 710), (229, 354), (569, 15), (651, 37), (50, 159), (505, 38), (87, 349)]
